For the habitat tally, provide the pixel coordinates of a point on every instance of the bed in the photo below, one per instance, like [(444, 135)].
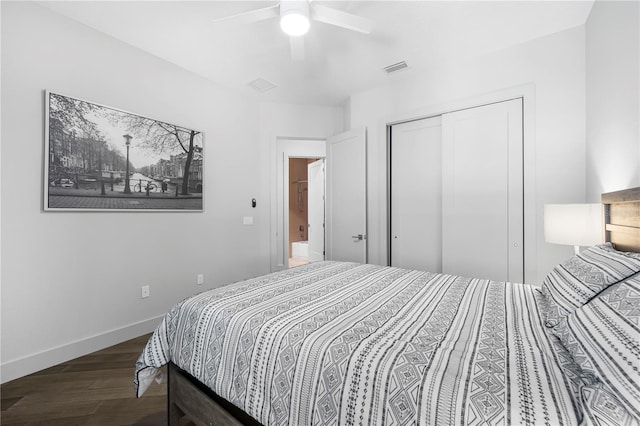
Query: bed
[(343, 343)]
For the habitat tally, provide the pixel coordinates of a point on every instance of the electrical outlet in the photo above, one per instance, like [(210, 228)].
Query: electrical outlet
[(145, 291), (200, 279)]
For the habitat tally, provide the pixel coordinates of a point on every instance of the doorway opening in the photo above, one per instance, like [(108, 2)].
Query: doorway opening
[(304, 213), (282, 151)]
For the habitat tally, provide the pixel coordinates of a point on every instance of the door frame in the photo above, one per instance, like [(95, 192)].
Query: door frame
[(528, 94), (286, 148)]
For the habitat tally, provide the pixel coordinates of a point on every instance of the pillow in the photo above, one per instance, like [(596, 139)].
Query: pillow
[(575, 281), (602, 408), (603, 337)]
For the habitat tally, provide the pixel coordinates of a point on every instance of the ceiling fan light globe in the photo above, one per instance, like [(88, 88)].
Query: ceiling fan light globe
[(294, 24)]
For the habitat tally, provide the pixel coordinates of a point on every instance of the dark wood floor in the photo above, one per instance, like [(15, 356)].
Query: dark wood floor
[(95, 390)]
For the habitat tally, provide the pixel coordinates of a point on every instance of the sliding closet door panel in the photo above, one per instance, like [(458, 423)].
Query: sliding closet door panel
[(515, 237), (416, 194), (482, 183)]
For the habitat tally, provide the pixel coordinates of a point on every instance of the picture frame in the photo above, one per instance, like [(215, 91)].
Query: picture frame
[(100, 158)]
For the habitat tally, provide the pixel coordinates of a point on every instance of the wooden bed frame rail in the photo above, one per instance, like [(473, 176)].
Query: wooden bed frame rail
[(192, 403)]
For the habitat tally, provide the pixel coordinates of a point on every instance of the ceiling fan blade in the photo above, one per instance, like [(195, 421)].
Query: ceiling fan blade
[(297, 48), (342, 19), (253, 15)]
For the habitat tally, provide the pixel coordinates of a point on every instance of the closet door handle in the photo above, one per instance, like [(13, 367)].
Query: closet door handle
[(359, 237)]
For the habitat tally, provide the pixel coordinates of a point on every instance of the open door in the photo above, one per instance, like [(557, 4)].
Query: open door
[(284, 149), (315, 194), (346, 201)]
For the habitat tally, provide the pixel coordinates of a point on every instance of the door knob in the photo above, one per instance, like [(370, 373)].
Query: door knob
[(358, 237)]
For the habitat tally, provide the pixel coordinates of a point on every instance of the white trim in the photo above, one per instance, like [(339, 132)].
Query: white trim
[(285, 148), (23, 366)]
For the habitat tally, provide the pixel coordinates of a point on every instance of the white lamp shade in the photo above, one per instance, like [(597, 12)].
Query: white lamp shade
[(573, 224)]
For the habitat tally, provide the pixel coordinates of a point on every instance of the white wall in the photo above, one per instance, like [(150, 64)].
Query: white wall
[(613, 97), (551, 69), (71, 281)]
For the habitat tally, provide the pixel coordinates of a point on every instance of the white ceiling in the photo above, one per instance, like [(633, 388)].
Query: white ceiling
[(338, 62)]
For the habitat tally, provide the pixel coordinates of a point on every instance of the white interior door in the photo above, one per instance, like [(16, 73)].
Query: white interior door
[(482, 197), (315, 194), (416, 195), (346, 198)]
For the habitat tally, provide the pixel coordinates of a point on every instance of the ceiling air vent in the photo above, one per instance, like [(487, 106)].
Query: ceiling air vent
[(261, 85), (396, 67)]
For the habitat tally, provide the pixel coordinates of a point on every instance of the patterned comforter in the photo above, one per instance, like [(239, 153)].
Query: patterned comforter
[(344, 343)]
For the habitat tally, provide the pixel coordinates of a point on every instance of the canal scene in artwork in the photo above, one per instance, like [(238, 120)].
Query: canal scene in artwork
[(102, 158)]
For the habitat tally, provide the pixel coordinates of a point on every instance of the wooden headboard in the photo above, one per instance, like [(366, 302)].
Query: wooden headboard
[(622, 219)]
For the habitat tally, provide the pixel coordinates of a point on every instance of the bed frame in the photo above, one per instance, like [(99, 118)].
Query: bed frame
[(622, 219), (192, 403)]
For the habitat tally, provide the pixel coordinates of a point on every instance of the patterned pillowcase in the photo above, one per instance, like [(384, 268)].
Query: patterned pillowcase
[(601, 407), (575, 281), (603, 337)]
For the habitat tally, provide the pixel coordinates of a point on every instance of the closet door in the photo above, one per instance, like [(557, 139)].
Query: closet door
[(482, 192), (416, 195)]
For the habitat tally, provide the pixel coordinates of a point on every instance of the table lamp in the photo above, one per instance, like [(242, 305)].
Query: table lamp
[(573, 224)]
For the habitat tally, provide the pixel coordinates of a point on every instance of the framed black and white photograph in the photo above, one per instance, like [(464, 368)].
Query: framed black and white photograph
[(105, 159)]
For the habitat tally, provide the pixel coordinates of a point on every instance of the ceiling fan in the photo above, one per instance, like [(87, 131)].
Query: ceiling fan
[(295, 17)]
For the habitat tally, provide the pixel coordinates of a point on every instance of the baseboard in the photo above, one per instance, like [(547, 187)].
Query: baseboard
[(20, 367)]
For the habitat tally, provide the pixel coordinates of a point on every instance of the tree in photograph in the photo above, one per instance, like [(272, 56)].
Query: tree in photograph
[(72, 114), (161, 138)]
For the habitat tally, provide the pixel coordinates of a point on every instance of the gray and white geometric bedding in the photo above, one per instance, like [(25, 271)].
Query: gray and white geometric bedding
[(577, 280), (343, 343), (603, 336)]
